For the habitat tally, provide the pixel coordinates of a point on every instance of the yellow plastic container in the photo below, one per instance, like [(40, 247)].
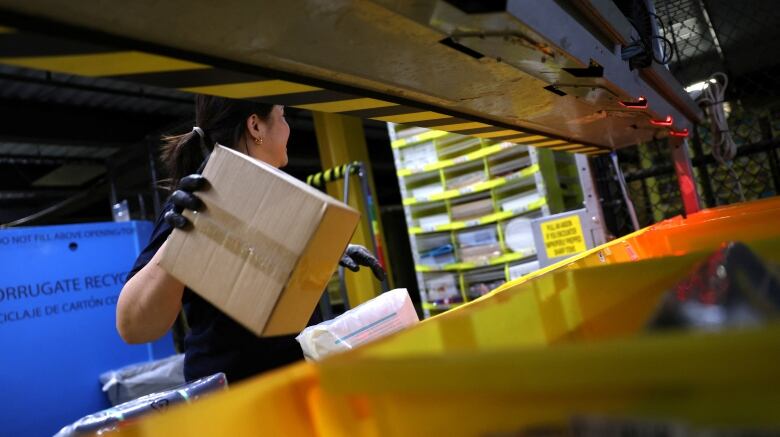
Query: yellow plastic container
[(534, 353), (600, 302), (701, 380)]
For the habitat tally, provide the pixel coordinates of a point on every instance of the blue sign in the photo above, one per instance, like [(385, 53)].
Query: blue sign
[(58, 291)]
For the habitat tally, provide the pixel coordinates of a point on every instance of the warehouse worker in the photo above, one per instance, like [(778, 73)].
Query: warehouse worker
[(152, 299)]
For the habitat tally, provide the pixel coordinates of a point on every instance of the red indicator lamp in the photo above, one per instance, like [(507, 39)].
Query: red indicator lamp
[(664, 123), (640, 103)]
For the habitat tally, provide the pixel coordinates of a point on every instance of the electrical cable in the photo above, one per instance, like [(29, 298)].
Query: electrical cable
[(624, 189), (666, 55), (724, 149), (640, 52)]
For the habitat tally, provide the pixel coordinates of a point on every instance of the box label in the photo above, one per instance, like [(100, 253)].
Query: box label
[(563, 237)]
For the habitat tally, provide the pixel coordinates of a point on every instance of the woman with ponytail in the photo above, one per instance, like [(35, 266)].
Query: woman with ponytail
[(151, 299)]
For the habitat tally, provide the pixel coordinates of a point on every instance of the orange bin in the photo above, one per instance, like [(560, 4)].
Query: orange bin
[(704, 230)]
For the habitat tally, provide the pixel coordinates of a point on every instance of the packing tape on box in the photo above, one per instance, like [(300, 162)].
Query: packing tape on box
[(257, 248)]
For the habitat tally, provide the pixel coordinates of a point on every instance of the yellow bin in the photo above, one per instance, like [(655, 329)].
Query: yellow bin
[(537, 354)]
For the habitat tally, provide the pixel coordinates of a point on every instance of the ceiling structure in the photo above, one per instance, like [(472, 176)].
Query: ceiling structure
[(82, 140), (86, 87), (520, 71), (60, 132)]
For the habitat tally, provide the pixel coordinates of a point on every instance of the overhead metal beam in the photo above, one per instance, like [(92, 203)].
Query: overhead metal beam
[(606, 15), (383, 60)]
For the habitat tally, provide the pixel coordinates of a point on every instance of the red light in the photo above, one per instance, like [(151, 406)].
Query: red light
[(679, 133), (665, 123), (640, 103)]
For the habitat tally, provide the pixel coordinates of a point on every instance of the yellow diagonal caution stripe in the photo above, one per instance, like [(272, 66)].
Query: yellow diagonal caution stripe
[(103, 64), (346, 105), (252, 89), (411, 118)]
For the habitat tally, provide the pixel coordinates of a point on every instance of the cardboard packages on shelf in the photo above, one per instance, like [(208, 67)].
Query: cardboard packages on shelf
[(263, 246)]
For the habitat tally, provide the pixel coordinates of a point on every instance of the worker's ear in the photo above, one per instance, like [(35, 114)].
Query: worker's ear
[(256, 128)]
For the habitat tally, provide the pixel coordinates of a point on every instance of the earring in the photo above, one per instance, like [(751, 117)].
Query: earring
[(259, 140)]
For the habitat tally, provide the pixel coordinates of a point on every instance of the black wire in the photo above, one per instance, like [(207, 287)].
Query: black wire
[(667, 54), (667, 49), (663, 27), (645, 44)]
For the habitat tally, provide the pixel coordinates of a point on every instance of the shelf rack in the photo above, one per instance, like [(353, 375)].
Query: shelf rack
[(441, 173)]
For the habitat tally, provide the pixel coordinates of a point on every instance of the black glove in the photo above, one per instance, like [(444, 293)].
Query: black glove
[(356, 256), (183, 198)]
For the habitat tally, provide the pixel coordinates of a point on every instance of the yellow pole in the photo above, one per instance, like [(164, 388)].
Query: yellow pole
[(341, 140)]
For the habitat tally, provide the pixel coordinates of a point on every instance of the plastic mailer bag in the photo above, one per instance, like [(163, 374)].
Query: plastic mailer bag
[(136, 380), (383, 315), (113, 418)]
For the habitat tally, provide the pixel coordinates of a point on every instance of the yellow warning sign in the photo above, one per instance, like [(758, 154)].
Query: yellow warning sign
[(563, 237)]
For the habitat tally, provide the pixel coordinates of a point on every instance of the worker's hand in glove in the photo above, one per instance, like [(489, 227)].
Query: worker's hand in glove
[(356, 256), (183, 198)]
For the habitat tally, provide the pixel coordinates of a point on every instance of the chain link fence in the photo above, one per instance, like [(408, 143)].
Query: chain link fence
[(738, 38)]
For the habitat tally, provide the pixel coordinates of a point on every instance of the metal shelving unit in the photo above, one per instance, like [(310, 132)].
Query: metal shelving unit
[(460, 194)]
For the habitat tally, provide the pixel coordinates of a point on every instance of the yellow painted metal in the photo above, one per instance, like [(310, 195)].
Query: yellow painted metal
[(461, 126), (411, 118), (104, 64), (252, 89), (567, 147), (500, 133), (528, 139), (341, 139), (589, 150), (549, 143), (347, 105)]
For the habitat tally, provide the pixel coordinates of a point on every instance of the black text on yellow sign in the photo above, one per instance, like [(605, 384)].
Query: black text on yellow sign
[(563, 237)]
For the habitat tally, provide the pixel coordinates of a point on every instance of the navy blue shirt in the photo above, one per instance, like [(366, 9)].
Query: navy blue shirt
[(216, 343)]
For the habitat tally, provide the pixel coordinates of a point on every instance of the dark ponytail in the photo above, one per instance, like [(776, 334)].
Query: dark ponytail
[(221, 120)]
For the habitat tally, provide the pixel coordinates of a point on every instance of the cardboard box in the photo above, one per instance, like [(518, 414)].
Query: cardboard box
[(264, 245)]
